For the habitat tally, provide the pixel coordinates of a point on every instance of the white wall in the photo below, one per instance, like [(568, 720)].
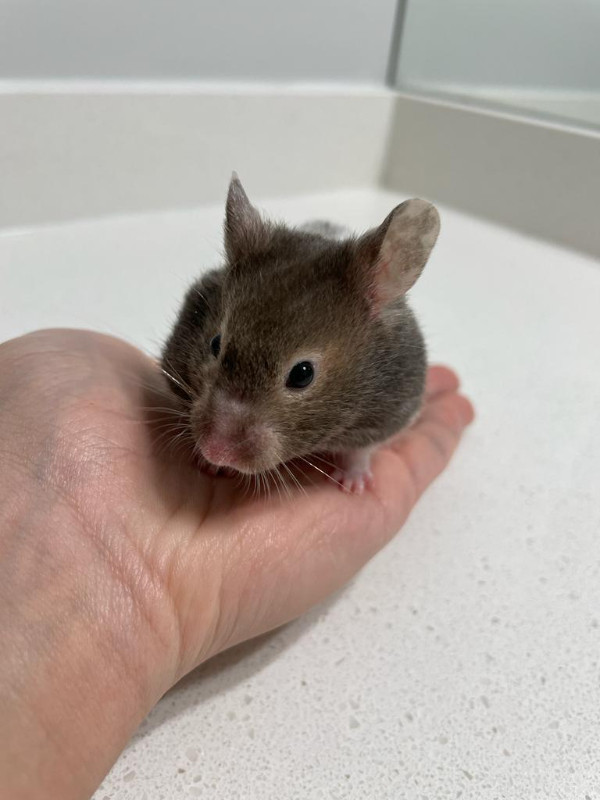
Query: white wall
[(71, 154), (539, 44), (304, 40)]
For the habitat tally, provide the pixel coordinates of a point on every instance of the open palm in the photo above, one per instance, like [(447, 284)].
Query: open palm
[(206, 562)]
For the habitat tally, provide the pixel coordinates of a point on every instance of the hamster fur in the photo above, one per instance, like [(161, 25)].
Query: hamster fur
[(315, 297)]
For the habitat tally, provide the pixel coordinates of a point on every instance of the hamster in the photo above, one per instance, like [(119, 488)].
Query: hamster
[(302, 342)]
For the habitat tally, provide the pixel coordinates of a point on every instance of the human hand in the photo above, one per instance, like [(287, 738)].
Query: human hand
[(122, 566)]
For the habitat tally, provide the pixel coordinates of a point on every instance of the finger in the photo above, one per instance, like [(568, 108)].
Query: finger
[(296, 553), (428, 446), (440, 379)]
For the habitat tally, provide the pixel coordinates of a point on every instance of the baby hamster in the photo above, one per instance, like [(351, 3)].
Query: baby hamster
[(302, 342)]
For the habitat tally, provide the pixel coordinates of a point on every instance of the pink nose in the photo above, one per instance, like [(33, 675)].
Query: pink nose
[(219, 450)]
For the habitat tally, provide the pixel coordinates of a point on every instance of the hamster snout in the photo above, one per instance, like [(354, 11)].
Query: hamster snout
[(230, 433)]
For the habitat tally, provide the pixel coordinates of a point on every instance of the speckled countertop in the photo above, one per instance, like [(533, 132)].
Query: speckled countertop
[(464, 660)]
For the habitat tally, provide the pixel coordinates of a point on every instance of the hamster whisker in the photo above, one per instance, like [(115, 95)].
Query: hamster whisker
[(176, 441), (168, 429), (168, 442), (324, 460), (274, 474), (270, 483), (200, 295), (281, 477), (175, 425), (294, 479), (176, 421), (263, 482), (322, 471), (196, 452), (245, 481), (179, 383), (284, 483), (155, 388), (164, 443), (167, 410)]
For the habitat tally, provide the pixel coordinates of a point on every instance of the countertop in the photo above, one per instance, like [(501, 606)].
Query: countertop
[(463, 661)]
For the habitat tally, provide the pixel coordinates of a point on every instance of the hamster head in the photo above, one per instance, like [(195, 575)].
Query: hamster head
[(272, 349)]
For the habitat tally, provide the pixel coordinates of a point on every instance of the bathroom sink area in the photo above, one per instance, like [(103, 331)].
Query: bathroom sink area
[(463, 661)]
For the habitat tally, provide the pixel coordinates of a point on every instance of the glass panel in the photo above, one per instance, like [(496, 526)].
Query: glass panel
[(539, 57)]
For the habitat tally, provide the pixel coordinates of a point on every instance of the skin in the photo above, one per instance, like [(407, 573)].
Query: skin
[(123, 567)]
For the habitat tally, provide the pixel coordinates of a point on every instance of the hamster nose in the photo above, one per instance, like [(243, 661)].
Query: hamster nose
[(219, 450), (229, 433)]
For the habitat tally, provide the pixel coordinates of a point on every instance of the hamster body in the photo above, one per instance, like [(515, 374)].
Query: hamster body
[(302, 342)]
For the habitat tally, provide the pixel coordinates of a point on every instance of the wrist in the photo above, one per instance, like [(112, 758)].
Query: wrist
[(89, 622), (91, 651)]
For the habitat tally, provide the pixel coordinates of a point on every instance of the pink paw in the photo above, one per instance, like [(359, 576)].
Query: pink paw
[(353, 481), (354, 471)]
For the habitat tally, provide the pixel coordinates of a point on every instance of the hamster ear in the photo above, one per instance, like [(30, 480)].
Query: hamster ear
[(393, 255), (245, 231)]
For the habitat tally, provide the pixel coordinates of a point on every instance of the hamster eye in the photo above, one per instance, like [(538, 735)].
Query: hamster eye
[(215, 345), (301, 375)]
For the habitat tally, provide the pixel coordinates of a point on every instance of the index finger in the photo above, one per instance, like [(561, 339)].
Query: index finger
[(440, 379)]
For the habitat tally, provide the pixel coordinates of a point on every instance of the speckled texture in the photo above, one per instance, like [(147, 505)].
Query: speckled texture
[(463, 661)]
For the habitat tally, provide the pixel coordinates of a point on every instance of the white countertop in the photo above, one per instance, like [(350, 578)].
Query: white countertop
[(464, 660)]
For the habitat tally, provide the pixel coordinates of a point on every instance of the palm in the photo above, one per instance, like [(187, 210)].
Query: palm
[(227, 564)]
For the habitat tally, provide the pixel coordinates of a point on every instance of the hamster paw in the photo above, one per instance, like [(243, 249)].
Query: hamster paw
[(353, 482), (354, 472)]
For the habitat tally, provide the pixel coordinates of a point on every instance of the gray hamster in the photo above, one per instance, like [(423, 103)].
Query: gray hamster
[(302, 342)]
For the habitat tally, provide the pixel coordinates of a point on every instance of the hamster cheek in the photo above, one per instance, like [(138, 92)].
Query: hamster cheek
[(260, 450)]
